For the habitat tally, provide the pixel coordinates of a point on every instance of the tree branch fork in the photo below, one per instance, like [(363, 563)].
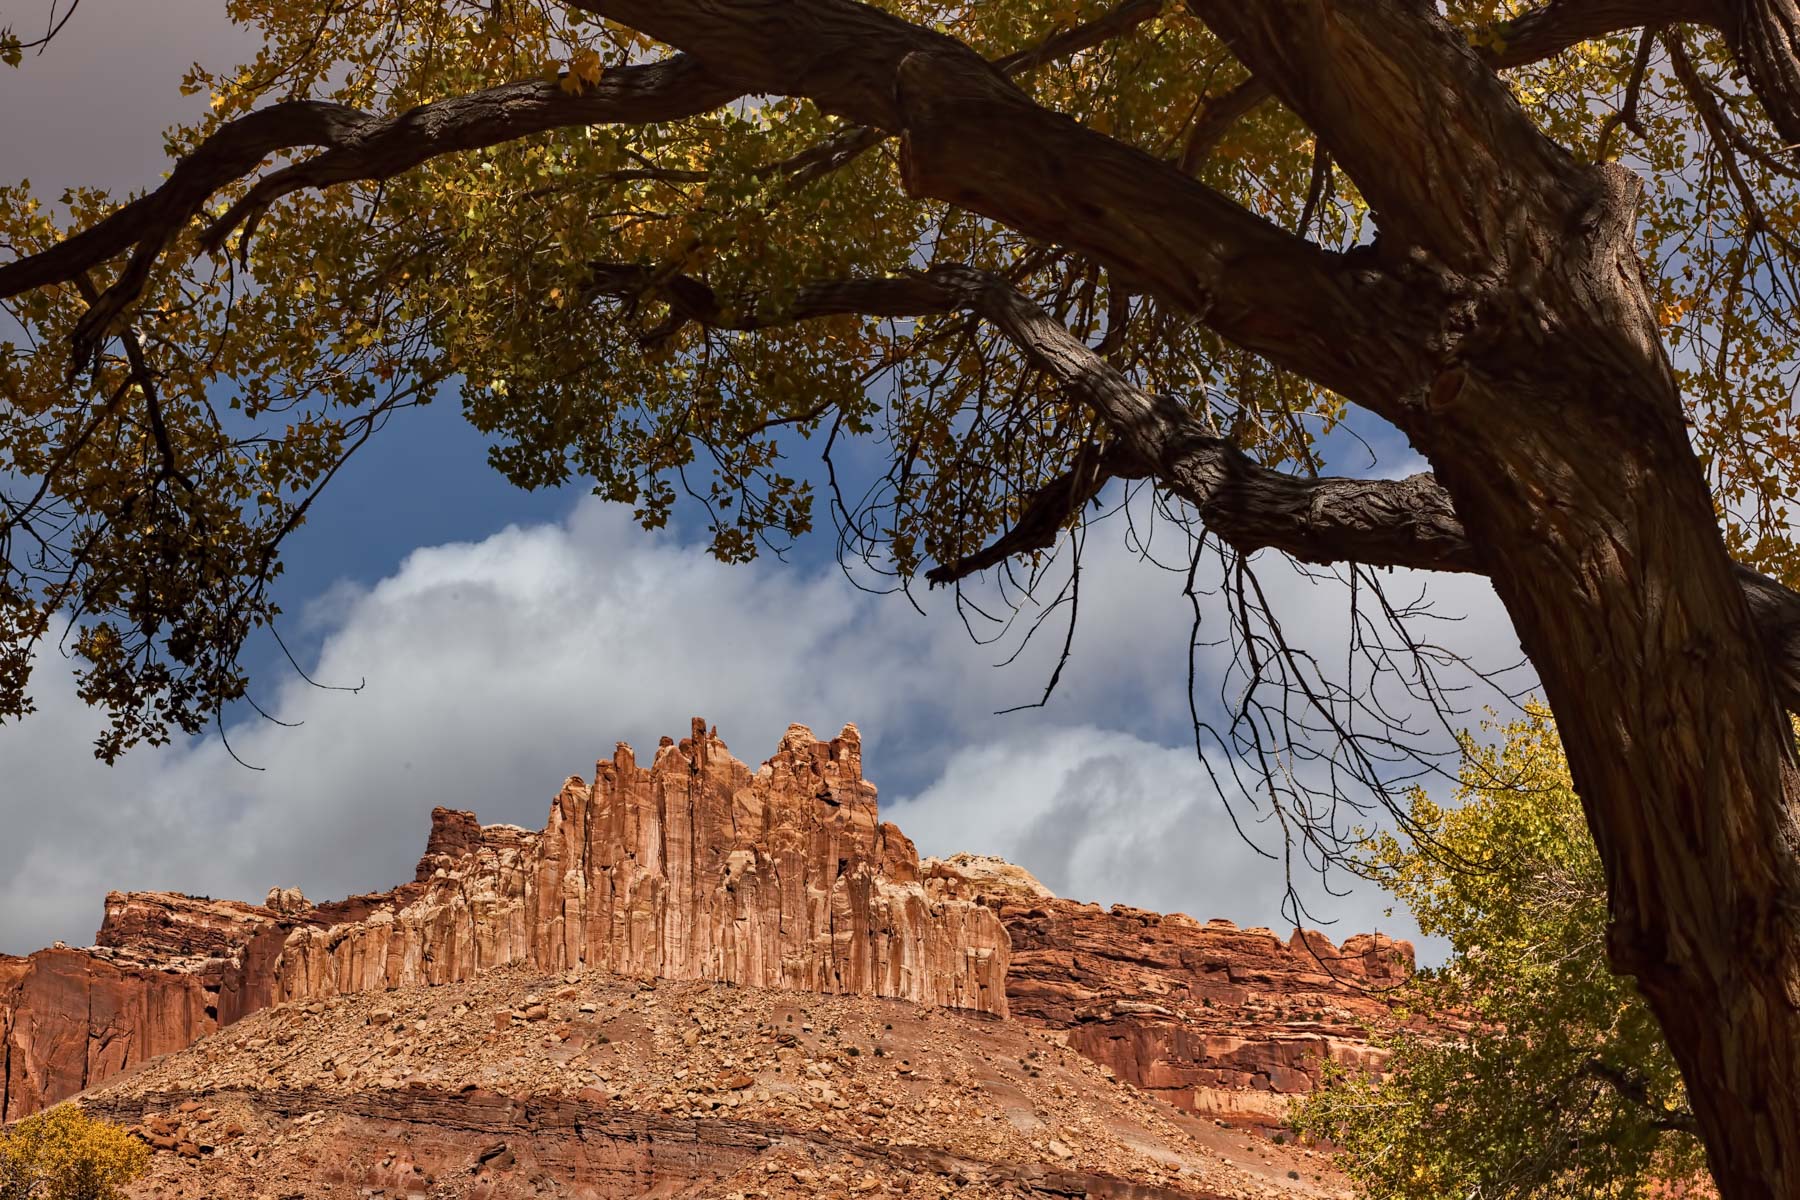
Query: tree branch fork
[(1409, 523), (1267, 290)]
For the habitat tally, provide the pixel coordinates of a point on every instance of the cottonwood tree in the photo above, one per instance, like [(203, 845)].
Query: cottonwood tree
[(1022, 250), (1537, 1073)]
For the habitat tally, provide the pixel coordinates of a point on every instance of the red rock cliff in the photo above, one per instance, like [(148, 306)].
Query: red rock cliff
[(693, 867), (1212, 1018)]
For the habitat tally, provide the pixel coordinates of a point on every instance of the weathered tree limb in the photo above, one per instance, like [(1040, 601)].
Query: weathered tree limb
[(1551, 28), (1400, 523), (1776, 612), (372, 148), (1409, 522), (1528, 38), (357, 145), (1489, 175), (1218, 116), (360, 146), (1764, 36), (970, 137)]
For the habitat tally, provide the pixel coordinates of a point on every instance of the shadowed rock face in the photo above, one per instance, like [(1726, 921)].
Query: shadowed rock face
[(693, 867), (1212, 1018)]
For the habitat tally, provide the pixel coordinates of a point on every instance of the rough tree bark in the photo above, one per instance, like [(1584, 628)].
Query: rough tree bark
[(1501, 322), (1538, 388), (1557, 428)]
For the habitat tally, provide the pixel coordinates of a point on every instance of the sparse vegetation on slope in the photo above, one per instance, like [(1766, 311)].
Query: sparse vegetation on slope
[(63, 1154)]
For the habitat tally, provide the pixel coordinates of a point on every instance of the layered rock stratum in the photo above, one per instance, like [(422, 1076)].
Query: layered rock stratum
[(692, 867), (781, 881)]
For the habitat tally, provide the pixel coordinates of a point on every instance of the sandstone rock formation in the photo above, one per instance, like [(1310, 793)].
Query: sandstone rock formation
[(696, 868), (1212, 1018), (693, 867)]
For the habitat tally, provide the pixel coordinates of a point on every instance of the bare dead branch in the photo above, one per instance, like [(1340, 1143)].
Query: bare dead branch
[(1113, 24), (1627, 116)]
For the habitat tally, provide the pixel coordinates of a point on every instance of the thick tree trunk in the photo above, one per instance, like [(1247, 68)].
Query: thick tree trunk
[(1591, 515), (1678, 752), (1503, 325)]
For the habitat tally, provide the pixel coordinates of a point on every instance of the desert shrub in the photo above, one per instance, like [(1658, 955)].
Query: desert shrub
[(64, 1154)]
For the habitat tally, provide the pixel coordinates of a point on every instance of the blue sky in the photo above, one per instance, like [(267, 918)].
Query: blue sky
[(508, 639)]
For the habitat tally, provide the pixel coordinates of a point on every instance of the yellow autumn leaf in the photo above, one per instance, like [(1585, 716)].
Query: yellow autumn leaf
[(587, 64)]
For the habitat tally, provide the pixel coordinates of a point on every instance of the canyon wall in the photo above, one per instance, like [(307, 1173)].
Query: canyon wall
[(1210, 1017), (693, 867)]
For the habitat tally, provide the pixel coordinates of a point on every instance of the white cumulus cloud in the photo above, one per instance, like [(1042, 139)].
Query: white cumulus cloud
[(492, 669)]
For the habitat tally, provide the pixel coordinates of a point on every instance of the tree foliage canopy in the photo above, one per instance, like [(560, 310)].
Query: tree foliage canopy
[(1541, 1074), (1010, 253), (64, 1154), (634, 275)]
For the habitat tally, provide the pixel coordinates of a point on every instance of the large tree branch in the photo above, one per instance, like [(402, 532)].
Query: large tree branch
[(1548, 30), (1257, 285), (1419, 119), (1528, 38), (1426, 129), (357, 145), (1409, 522), (1775, 611), (971, 138), (1764, 36)]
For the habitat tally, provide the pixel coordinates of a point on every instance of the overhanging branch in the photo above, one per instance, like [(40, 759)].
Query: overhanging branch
[(357, 145), (1551, 28), (1409, 522), (971, 138)]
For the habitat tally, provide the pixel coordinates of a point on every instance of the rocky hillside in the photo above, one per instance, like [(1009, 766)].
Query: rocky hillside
[(591, 1084), (775, 893)]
